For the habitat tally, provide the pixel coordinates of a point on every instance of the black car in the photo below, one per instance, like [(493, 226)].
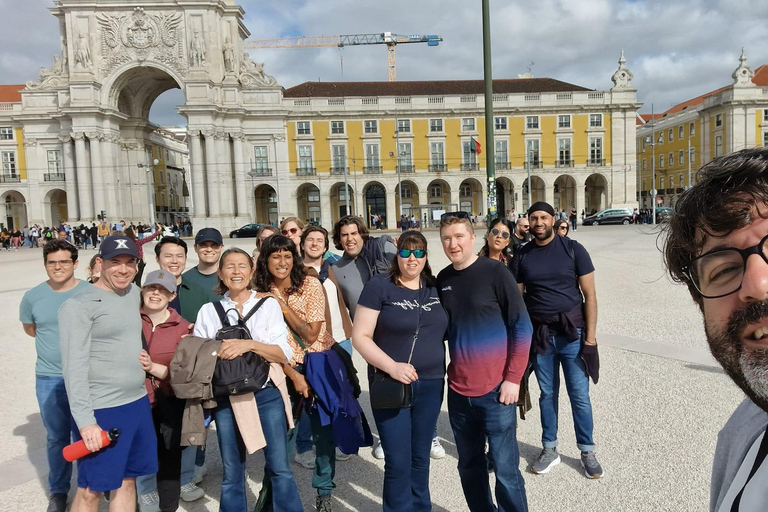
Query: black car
[(663, 213), (247, 231), (609, 216)]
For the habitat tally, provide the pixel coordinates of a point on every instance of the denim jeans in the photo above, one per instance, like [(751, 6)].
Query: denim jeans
[(406, 438), (473, 419), (565, 352), (574, 224), (303, 434), (285, 494), (54, 410), (325, 454)]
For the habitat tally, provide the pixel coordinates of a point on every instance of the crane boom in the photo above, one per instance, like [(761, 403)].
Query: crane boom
[(387, 38)]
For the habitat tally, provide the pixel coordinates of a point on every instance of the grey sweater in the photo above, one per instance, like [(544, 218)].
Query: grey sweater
[(100, 335), (738, 435), (352, 274)]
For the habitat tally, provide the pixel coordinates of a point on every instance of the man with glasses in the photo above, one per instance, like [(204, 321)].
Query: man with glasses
[(38, 314), (557, 279), (717, 244)]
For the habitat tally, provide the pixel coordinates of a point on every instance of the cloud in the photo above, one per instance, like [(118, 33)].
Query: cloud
[(676, 50)]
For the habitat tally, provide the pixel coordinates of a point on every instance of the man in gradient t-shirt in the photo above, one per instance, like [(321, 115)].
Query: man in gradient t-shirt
[(489, 337)]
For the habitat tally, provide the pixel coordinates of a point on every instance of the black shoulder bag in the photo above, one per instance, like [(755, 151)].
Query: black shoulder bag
[(246, 373), (388, 393)]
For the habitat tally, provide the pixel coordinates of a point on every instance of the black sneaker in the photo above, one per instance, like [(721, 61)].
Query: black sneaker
[(548, 458), (58, 502), (324, 504), (592, 468)]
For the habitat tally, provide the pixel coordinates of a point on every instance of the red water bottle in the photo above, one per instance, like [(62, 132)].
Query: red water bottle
[(76, 450)]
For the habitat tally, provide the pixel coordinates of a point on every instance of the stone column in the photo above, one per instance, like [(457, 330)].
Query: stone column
[(70, 177), (243, 190), (197, 178), (214, 208), (326, 216), (549, 192), (84, 190), (97, 172), (424, 201), (109, 174), (224, 179), (393, 215), (580, 201)]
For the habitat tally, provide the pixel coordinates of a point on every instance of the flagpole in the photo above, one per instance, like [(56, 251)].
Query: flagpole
[(490, 164)]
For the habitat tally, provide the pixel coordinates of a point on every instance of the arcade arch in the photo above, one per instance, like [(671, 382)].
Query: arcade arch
[(595, 193), (15, 215), (265, 205)]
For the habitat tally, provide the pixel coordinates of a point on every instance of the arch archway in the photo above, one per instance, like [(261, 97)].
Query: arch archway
[(308, 203), (56, 207), (410, 198), (471, 196), (339, 201), (565, 193), (537, 191), (505, 195), (265, 205), (375, 203), (595, 193), (15, 214)]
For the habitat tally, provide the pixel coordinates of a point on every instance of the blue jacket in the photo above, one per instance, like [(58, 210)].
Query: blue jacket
[(336, 402)]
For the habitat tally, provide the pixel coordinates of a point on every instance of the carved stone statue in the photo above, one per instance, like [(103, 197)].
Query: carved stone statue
[(51, 77), (229, 56), (82, 52), (197, 51), (252, 74)]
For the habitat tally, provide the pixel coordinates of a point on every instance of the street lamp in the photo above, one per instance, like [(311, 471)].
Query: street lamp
[(150, 195)]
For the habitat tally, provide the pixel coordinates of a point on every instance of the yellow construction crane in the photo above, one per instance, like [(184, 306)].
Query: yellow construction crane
[(387, 38)]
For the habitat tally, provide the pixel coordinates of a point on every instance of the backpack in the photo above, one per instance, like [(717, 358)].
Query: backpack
[(246, 373)]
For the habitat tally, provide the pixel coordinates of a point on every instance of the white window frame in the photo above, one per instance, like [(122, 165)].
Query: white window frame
[(596, 149), (661, 183), (435, 125), (644, 164), (467, 124), (313, 195), (337, 128), (595, 120), (304, 159), (765, 115), (6, 132), (405, 155), (564, 141), (302, 126), (661, 161), (718, 145), (691, 129), (671, 159), (9, 161), (463, 187), (564, 121), (338, 156), (371, 126), (436, 191), (468, 156), (54, 164), (680, 132), (501, 153), (372, 155), (671, 134), (533, 151), (407, 191), (681, 157), (499, 123), (718, 120), (403, 126), (692, 155), (532, 122), (260, 158), (437, 157)]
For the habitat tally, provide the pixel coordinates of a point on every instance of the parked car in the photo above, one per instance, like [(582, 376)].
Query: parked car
[(663, 213), (247, 231), (609, 216)]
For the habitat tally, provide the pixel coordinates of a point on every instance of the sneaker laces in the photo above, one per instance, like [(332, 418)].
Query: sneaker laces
[(589, 459)]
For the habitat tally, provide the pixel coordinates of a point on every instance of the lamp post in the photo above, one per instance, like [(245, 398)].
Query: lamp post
[(654, 192), (399, 181), (150, 179)]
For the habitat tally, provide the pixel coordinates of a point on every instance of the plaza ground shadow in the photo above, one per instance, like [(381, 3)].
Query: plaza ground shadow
[(16, 472)]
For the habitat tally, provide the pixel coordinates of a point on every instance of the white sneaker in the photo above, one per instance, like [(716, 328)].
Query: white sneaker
[(341, 455), (191, 492), (200, 472), (149, 502), (305, 460), (437, 451), (378, 451)]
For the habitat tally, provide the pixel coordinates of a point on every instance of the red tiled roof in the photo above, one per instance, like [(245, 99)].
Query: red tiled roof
[(427, 88), (761, 76), (10, 93)]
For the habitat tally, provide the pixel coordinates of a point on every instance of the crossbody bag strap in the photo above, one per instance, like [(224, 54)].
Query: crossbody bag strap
[(762, 452), (418, 327)]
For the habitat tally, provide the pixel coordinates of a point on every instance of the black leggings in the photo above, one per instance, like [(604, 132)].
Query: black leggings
[(167, 414)]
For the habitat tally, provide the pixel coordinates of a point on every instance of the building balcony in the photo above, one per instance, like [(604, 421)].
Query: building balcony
[(563, 163), (261, 171), (470, 167), (670, 191), (407, 168), (596, 162), (372, 169), (533, 164), (503, 166), (339, 170), (306, 171), (54, 176), (10, 178), (437, 168)]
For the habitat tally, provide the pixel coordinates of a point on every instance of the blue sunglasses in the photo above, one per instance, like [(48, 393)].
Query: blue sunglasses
[(406, 253)]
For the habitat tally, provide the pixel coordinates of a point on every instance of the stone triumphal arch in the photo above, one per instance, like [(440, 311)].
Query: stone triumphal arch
[(92, 105)]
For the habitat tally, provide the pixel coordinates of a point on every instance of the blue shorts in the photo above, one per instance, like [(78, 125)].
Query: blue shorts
[(132, 454)]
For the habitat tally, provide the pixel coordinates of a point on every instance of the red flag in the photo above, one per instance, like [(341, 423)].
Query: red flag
[(474, 146)]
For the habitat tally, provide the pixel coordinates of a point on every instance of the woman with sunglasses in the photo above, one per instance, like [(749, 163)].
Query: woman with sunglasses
[(497, 240), (281, 274), (399, 329), (561, 227), (293, 228)]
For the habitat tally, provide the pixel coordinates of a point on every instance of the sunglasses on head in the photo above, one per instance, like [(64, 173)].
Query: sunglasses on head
[(496, 232), (292, 231), (461, 215), (406, 253)]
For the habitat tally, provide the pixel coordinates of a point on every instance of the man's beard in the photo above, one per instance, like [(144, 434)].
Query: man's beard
[(544, 236), (747, 368)]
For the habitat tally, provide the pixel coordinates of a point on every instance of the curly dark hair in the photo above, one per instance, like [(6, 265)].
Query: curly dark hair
[(346, 221), (59, 245), (221, 288), (411, 240), (495, 222), (729, 191), (263, 278)]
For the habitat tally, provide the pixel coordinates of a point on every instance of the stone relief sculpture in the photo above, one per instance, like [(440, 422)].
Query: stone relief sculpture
[(252, 74), (54, 76), (141, 36), (197, 51), (229, 56), (82, 52)]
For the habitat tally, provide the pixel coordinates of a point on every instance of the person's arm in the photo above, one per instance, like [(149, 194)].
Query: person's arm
[(157, 370), (149, 238), (519, 333), (362, 339), (30, 329), (26, 316), (587, 285)]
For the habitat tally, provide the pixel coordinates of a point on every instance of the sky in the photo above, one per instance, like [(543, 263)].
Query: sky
[(676, 50)]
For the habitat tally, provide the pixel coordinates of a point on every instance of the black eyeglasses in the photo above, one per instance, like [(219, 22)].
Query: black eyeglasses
[(406, 253), (720, 272), (461, 215), (563, 227), (496, 232)]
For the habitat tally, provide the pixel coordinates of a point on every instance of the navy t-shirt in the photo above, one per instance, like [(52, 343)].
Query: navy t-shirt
[(550, 276), (398, 318)]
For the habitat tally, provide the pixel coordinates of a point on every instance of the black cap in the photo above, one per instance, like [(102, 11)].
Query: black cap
[(209, 235), (541, 206)]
